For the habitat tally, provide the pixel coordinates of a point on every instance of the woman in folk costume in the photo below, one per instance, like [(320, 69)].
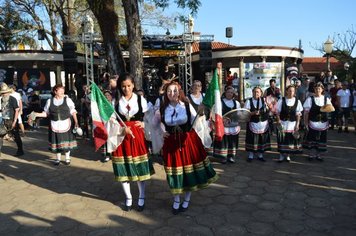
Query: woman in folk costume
[(316, 122), (257, 130), (289, 112), (226, 149), (130, 160), (60, 109), (185, 160)]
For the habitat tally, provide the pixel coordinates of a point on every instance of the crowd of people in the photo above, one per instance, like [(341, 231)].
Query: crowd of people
[(300, 119)]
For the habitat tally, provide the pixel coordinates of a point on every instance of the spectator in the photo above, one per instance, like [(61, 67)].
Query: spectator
[(334, 102), (10, 112), (344, 102)]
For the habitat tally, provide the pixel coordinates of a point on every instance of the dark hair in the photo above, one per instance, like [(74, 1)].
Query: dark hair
[(123, 77), (290, 86), (56, 87), (107, 91), (272, 80), (311, 87)]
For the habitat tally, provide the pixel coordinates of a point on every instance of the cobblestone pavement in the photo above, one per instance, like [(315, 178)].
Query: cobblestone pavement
[(297, 198)]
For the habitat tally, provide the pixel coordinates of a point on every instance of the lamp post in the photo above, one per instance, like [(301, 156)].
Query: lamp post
[(347, 67), (328, 48)]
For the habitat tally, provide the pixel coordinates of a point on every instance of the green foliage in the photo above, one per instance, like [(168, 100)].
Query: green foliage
[(13, 28), (193, 5)]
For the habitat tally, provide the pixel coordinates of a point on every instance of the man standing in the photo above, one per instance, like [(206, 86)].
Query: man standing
[(10, 112), (344, 101), (329, 80), (333, 95), (303, 89)]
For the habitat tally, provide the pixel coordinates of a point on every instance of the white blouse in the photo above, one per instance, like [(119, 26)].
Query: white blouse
[(261, 126), (288, 126), (177, 115), (196, 100), (318, 125), (233, 130), (58, 102), (130, 107)]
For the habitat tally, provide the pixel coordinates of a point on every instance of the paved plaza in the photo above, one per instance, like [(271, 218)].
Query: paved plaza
[(297, 198)]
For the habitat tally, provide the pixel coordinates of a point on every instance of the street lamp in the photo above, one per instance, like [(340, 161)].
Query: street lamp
[(347, 67), (328, 49)]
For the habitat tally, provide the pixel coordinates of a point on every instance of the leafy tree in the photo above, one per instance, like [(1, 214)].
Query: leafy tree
[(13, 28), (108, 18)]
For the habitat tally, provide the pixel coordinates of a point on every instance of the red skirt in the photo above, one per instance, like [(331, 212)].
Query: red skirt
[(131, 160), (186, 163)]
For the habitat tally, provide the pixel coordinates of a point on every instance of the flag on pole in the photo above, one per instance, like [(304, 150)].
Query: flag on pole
[(212, 100), (105, 130)]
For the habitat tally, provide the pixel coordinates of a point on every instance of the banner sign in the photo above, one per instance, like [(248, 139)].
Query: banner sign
[(259, 74), (37, 79)]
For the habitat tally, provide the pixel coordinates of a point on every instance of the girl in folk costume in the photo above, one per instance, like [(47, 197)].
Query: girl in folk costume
[(185, 160), (257, 129), (130, 160), (60, 109), (196, 98), (316, 122), (227, 148), (289, 112)]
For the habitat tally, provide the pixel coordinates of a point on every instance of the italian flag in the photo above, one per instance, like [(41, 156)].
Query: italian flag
[(105, 126), (212, 100)]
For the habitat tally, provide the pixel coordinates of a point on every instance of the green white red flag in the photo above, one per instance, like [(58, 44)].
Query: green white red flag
[(105, 126), (212, 100)]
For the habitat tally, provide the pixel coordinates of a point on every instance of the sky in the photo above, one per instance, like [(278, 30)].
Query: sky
[(273, 22)]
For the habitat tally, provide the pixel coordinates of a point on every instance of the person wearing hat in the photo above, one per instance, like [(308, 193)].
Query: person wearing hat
[(10, 113), (60, 109), (344, 104), (316, 122)]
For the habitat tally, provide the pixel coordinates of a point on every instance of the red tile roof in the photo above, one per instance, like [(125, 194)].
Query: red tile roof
[(214, 45), (318, 64)]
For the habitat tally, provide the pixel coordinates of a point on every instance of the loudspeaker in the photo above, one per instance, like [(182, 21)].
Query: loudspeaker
[(41, 34), (228, 32), (205, 57)]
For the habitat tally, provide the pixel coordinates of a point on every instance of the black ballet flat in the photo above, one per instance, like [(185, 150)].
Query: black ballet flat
[(141, 208), (175, 211), (183, 209), (127, 208)]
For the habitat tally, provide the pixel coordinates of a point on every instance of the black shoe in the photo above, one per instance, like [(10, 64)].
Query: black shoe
[(224, 161), (183, 209), (331, 127), (19, 153), (231, 160), (310, 158), (57, 162), (319, 158), (67, 163), (340, 130), (249, 159), (127, 208), (346, 130), (261, 159), (141, 208)]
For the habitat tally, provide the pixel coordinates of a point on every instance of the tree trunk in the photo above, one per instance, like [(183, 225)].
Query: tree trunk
[(104, 12), (134, 34)]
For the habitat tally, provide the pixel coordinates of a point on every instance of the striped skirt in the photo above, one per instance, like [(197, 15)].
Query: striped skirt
[(186, 163), (131, 160), (61, 142), (227, 147), (287, 143), (316, 139), (257, 142)]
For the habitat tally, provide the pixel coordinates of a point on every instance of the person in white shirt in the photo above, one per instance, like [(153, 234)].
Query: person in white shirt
[(61, 110), (19, 103), (344, 102), (316, 122)]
